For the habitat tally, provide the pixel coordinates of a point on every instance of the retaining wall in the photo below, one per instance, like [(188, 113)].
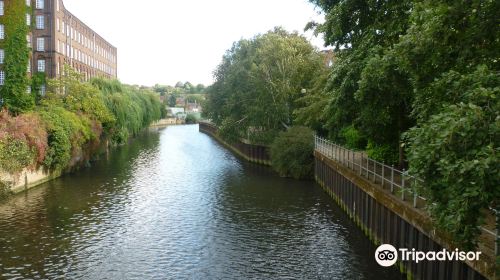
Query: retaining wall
[(253, 153), (385, 220)]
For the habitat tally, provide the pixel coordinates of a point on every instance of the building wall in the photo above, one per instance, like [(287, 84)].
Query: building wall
[(69, 41)]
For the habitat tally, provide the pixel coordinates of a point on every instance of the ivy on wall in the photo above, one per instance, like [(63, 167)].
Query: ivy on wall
[(17, 54)]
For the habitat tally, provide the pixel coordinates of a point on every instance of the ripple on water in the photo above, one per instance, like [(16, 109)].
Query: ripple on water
[(177, 205)]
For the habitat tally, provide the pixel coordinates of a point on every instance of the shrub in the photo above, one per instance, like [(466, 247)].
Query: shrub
[(383, 153), (353, 138), (292, 153), (27, 128), (190, 118), (67, 134), (15, 155)]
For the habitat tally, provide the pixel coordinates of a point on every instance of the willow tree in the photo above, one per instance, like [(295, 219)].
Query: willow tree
[(14, 92)]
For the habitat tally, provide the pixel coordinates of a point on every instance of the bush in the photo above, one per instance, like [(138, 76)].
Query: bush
[(27, 128), (67, 134), (292, 153), (190, 118), (383, 153), (15, 155), (353, 138)]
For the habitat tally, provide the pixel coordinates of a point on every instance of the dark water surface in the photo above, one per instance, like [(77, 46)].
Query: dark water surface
[(177, 205)]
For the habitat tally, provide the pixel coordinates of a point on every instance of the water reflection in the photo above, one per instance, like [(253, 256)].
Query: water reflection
[(176, 205)]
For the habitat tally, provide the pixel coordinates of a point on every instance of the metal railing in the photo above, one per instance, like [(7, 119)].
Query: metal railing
[(398, 182)]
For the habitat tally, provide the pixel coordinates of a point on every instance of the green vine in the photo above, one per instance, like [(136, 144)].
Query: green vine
[(17, 54), (37, 80)]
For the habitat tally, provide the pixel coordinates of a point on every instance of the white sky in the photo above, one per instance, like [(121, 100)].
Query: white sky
[(166, 41)]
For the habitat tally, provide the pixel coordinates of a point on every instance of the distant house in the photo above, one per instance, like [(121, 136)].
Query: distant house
[(180, 101), (175, 112), (193, 107)]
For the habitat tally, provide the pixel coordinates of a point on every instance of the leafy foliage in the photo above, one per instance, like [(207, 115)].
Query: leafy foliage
[(27, 128), (431, 66), (14, 91), (67, 132), (292, 153), (132, 108), (15, 154), (191, 118), (258, 82)]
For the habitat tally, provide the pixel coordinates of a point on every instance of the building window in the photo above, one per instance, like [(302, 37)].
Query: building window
[(40, 4), (40, 22), (57, 5), (2, 56), (2, 31), (41, 65), (29, 66), (28, 3), (28, 89), (28, 40), (40, 44), (42, 90), (1, 8), (28, 19), (2, 78)]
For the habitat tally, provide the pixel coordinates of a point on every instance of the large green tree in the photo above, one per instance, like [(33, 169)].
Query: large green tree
[(258, 83), (430, 65), (451, 54), (367, 91)]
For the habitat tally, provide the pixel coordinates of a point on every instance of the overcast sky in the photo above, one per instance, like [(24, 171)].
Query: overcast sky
[(165, 41)]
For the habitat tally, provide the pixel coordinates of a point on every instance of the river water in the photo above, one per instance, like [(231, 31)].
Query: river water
[(174, 204)]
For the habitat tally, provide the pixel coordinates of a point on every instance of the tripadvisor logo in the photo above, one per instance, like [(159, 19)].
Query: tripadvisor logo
[(387, 255)]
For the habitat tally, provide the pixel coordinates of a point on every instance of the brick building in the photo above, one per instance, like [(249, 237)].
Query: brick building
[(57, 37)]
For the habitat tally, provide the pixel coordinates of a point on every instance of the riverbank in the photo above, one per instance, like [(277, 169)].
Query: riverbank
[(166, 122), (61, 132)]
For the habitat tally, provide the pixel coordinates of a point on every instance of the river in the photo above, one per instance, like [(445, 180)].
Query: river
[(174, 204)]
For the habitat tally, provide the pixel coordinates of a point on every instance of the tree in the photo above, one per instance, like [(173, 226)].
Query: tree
[(14, 92), (366, 89), (200, 88), (451, 54), (172, 100), (258, 82), (431, 66)]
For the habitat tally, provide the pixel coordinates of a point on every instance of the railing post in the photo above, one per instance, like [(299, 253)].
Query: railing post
[(392, 178), (403, 185), (414, 200), (361, 164), (383, 174), (374, 171), (368, 168), (349, 159), (415, 194)]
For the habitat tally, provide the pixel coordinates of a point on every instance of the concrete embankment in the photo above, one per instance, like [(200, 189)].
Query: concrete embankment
[(26, 179)]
